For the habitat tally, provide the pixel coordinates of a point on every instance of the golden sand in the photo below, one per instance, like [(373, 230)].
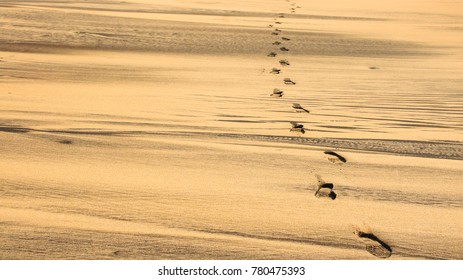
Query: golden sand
[(133, 130)]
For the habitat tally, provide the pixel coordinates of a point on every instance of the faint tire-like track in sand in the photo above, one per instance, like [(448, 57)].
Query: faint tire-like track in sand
[(400, 147)]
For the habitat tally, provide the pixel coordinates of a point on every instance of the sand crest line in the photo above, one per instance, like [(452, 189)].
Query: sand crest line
[(101, 224)]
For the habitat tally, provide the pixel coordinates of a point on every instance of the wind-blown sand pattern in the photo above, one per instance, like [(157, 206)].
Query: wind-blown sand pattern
[(138, 130)]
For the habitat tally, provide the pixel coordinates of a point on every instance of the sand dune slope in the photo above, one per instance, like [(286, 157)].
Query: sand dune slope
[(133, 130)]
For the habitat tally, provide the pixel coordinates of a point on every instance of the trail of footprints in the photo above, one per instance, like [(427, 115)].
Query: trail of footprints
[(325, 190)]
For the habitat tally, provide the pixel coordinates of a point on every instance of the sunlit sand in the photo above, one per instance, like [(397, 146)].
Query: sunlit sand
[(197, 130)]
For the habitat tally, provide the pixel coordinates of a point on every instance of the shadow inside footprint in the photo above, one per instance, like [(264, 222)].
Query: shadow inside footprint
[(272, 54), (297, 127), (277, 93), (288, 81), (276, 43), (283, 49), (325, 190), (275, 33), (299, 109), (275, 71), (337, 156), (284, 62), (374, 245)]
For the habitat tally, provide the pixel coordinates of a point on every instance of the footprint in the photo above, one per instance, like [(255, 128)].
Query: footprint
[(299, 109), (325, 190), (297, 127), (277, 22), (285, 39), (284, 62), (283, 49), (276, 43), (270, 25), (336, 157), (272, 54), (373, 68), (374, 245), (275, 71), (275, 33), (277, 93), (277, 30), (288, 81), (281, 15)]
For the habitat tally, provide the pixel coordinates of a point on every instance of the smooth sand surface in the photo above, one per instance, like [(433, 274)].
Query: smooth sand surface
[(133, 130)]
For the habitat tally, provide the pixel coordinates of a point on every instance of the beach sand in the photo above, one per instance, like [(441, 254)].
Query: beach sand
[(133, 130)]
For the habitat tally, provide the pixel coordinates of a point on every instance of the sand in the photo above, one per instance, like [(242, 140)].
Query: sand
[(133, 130)]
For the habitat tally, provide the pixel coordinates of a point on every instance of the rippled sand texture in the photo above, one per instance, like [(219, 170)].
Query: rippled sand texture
[(133, 130)]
